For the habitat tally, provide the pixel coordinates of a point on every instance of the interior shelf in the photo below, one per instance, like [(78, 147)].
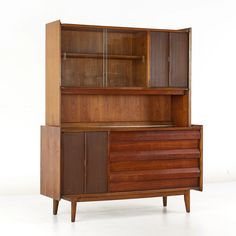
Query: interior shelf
[(124, 91), (100, 55)]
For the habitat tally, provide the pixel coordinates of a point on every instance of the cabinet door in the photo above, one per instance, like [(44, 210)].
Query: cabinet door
[(126, 58), (179, 56), (96, 162), (82, 63), (84, 165), (73, 171), (169, 57), (159, 59)]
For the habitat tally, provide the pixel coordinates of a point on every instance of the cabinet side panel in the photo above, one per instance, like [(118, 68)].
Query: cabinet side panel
[(179, 56), (50, 162), (201, 158), (180, 110), (53, 72), (159, 59), (96, 162), (73, 165)]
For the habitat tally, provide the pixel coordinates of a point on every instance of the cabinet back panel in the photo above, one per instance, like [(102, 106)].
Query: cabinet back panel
[(83, 41), (128, 73), (110, 108), (120, 73), (119, 43), (82, 72)]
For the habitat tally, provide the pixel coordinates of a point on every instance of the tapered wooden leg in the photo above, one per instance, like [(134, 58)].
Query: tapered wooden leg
[(73, 210), (187, 200), (55, 206), (165, 201)]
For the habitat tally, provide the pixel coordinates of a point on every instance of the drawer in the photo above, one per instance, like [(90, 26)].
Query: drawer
[(130, 136), (145, 160)]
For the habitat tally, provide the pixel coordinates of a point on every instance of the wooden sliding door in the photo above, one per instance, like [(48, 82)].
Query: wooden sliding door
[(178, 60), (84, 162), (169, 59), (73, 171)]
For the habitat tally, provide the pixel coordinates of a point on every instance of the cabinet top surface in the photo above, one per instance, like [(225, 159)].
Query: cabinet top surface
[(151, 127), (69, 26)]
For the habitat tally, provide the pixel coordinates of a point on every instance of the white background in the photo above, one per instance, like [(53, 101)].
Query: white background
[(22, 75)]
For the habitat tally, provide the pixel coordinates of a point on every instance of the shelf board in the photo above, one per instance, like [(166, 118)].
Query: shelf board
[(122, 91), (100, 55)]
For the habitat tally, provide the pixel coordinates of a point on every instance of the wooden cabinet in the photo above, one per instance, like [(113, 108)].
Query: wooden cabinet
[(118, 115)]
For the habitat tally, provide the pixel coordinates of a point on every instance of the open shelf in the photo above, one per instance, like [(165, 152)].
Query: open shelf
[(123, 91), (100, 55)]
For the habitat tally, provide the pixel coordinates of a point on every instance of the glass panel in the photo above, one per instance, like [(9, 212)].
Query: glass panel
[(83, 57), (126, 58)]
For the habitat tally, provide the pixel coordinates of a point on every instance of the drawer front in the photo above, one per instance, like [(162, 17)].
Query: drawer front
[(145, 160)]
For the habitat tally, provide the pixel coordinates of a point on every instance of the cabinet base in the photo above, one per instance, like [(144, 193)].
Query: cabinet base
[(123, 195)]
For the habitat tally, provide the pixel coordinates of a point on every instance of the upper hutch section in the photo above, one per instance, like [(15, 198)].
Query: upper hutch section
[(100, 60)]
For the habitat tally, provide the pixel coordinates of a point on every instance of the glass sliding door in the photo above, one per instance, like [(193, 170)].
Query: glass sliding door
[(97, 57), (126, 58), (83, 58)]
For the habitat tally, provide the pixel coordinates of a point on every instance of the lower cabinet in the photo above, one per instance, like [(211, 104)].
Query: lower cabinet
[(84, 162), (124, 161), (114, 164)]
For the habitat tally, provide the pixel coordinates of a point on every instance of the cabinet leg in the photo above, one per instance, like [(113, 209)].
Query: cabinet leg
[(165, 201), (187, 200), (55, 206), (73, 210)]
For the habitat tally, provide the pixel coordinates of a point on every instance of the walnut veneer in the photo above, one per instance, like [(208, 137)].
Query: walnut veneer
[(118, 115)]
